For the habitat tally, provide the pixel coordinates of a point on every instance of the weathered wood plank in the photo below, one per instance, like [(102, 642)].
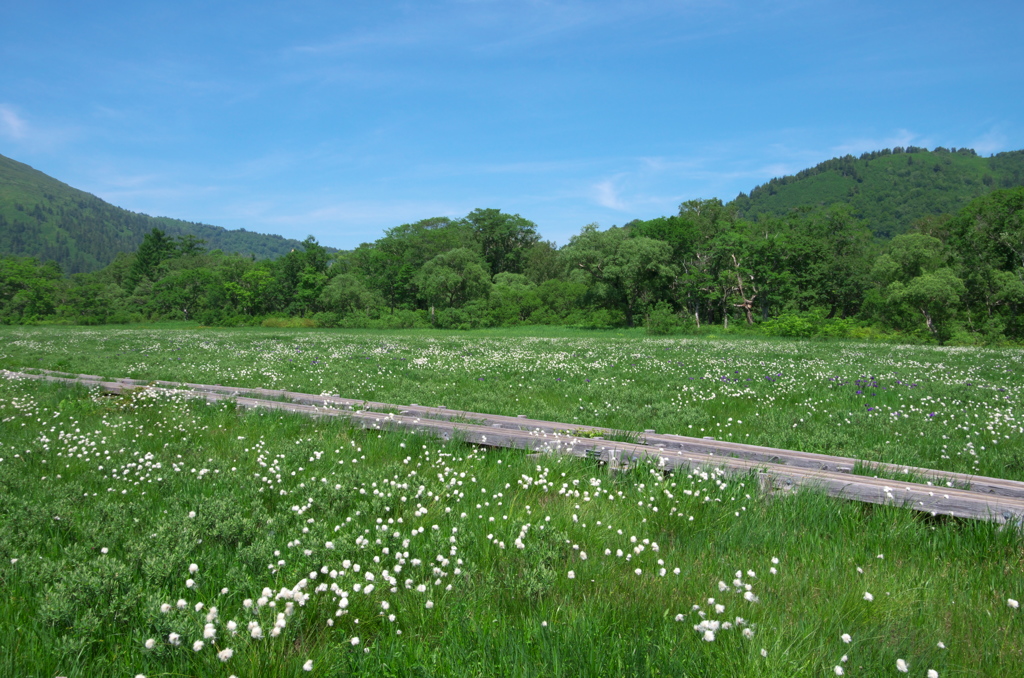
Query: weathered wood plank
[(694, 454)]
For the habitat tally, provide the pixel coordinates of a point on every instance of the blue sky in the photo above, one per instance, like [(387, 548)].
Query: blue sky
[(342, 119)]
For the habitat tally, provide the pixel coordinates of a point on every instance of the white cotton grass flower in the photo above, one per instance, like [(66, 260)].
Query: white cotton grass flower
[(750, 597), (193, 568), (638, 571), (901, 666), (165, 608), (190, 583), (104, 550), (1012, 603), (182, 603), (868, 597), (308, 666), (354, 641), (150, 644), (198, 645), (764, 652), (932, 673), (941, 645), (256, 632), (709, 636), (846, 638), (748, 633), (838, 670), (430, 604), (572, 574), (225, 654), (174, 639)]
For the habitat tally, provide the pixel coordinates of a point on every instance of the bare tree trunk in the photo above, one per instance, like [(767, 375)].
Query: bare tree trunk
[(928, 320), (748, 303)]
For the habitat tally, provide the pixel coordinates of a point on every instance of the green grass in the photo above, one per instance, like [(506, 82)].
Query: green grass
[(954, 409), (82, 471)]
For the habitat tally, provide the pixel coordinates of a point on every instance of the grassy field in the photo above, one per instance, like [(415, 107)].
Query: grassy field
[(134, 527), (946, 408)]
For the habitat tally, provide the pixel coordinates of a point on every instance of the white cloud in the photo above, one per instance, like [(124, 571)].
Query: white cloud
[(900, 137), (992, 141), (297, 213), (31, 136), (606, 195), (12, 125)]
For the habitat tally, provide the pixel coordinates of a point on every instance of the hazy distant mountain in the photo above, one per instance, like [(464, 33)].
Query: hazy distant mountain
[(890, 188), (47, 219)]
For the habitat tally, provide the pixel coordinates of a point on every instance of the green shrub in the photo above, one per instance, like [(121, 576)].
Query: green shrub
[(662, 320)]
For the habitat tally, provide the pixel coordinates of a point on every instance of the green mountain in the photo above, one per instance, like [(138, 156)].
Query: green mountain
[(47, 219), (890, 189)]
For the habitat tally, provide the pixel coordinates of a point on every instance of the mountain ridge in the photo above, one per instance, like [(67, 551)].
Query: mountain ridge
[(891, 189), (43, 217)]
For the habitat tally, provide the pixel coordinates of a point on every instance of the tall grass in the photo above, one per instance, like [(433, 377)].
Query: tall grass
[(106, 501), (955, 409)]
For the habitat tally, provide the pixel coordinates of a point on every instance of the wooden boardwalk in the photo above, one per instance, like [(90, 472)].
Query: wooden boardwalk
[(940, 493)]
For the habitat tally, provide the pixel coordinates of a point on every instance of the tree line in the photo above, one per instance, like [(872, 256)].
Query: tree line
[(811, 272)]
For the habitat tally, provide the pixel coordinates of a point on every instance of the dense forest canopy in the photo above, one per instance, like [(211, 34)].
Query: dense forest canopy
[(890, 189), (44, 218), (818, 268)]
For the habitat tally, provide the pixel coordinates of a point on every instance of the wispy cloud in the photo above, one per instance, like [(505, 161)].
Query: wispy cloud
[(338, 222), (992, 141), (12, 125), (900, 137), (29, 135), (493, 28), (606, 194), (342, 223), (394, 36)]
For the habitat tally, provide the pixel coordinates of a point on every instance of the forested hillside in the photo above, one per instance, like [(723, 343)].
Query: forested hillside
[(44, 218), (889, 189)]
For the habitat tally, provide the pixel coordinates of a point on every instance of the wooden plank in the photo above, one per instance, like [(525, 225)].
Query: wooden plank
[(711, 448), (920, 497)]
